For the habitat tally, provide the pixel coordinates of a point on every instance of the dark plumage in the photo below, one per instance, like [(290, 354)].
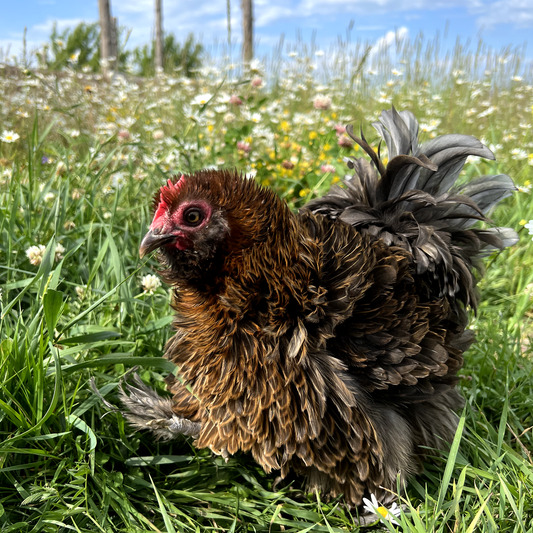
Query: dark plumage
[(325, 342)]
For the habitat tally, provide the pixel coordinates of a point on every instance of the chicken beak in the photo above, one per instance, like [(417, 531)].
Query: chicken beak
[(152, 242)]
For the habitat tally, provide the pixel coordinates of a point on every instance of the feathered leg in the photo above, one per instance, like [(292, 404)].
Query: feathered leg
[(145, 409)]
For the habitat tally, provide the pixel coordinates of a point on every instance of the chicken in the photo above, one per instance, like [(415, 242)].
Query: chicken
[(326, 342)]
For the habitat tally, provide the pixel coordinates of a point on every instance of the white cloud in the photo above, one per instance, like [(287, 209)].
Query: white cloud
[(270, 13), (518, 13), (383, 45)]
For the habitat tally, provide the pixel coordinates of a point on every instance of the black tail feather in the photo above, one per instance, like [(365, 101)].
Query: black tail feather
[(414, 203)]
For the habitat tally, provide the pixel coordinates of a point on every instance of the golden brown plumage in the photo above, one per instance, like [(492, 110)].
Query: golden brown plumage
[(325, 342)]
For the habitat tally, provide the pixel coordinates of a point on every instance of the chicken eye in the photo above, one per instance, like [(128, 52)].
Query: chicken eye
[(193, 216)]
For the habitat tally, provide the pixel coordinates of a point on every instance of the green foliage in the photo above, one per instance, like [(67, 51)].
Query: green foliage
[(78, 48), (185, 58)]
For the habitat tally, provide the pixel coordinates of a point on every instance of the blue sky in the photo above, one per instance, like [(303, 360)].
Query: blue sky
[(500, 22)]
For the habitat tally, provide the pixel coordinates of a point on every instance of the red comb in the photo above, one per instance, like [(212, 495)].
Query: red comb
[(171, 187), (167, 192)]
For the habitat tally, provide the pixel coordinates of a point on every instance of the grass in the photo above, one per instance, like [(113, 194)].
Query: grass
[(82, 173)]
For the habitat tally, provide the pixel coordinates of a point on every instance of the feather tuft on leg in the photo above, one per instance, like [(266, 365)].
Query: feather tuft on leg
[(145, 409)]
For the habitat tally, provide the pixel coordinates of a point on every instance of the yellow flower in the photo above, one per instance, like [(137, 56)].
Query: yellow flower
[(304, 192), (285, 126), (335, 179), (327, 147), (313, 135), (523, 222), (272, 154), (210, 128), (333, 116)]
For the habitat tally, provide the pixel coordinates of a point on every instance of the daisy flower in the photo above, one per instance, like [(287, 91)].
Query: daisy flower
[(9, 136), (529, 227), (372, 506), (201, 99)]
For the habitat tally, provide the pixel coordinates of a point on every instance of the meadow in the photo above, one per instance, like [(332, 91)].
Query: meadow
[(80, 159)]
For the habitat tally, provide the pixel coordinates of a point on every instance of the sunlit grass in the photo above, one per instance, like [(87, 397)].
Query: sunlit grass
[(82, 174)]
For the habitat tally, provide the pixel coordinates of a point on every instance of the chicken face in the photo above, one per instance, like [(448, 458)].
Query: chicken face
[(187, 227)]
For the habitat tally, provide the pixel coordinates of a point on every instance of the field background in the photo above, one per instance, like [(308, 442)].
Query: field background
[(80, 160)]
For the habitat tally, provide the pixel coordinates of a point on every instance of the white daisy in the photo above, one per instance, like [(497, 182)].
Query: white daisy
[(372, 506), (9, 136)]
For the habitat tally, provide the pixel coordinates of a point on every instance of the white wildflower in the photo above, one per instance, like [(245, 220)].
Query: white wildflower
[(229, 117), (59, 251), (49, 196), (487, 112), (518, 154), (150, 283), (9, 136), (158, 135), (74, 133), (35, 254), (201, 99), (373, 507), (80, 291)]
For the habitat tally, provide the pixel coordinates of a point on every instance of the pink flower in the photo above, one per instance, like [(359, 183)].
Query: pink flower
[(345, 142), (257, 81), (327, 168), (235, 100), (322, 102), (245, 147), (123, 135), (340, 129)]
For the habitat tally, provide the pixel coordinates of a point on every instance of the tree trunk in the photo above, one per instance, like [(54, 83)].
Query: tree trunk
[(105, 36), (247, 32), (158, 36), (114, 43)]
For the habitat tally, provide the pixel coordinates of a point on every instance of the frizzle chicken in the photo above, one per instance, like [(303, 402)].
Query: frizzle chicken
[(325, 342)]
